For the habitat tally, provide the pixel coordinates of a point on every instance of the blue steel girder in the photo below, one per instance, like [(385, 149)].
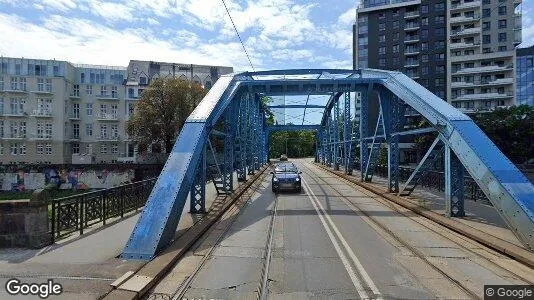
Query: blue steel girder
[(504, 185), (347, 122), (228, 173), (336, 125)]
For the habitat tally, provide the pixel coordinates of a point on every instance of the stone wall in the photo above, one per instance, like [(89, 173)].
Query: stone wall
[(24, 223)]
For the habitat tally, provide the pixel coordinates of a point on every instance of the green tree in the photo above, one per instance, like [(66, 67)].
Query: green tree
[(162, 110), (511, 129)]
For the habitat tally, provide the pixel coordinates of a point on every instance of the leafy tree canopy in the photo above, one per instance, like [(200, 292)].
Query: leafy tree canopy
[(162, 110)]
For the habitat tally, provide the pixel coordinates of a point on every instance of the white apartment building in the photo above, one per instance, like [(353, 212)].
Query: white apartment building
[(61, 113)]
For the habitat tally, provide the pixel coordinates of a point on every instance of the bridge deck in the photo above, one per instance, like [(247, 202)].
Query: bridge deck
[(336, 240)]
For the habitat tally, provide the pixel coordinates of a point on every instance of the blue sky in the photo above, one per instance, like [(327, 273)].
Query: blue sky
[(277, 33)]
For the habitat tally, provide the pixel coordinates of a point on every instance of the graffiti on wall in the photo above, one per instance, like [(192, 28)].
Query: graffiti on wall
[(65, 179)]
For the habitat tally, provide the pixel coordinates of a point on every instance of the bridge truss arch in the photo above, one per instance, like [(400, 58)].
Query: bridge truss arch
[(234, 112)]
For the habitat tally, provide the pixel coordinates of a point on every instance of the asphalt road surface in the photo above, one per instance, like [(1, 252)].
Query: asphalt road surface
[(337, 240)]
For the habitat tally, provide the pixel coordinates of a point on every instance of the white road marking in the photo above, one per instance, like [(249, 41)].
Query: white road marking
[(353, 277), (353, 257)]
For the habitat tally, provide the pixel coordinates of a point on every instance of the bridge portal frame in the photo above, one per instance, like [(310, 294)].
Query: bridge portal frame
[(465, 145)]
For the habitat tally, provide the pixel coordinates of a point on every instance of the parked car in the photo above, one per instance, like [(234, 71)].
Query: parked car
[(286, 176)]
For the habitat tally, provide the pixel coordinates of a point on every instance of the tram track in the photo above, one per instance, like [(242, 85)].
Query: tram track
[(425, 223)]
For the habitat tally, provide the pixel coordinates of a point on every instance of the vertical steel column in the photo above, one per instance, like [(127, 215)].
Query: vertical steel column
[(347, 136), (454, 185), (364, 128), (228, 170), (396, 123), (257, 132), (337, 146), (249, 129), (197, 198), (330, 148), (241, 138), (324, 143)]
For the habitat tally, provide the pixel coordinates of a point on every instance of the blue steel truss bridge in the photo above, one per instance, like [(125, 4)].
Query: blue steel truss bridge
[(364, 112)]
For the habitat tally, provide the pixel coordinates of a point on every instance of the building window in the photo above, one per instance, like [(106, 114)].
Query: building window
[(49, 85), (382, 62), (440, 56), (395, 48), (382, 50), (1, 128), (40, 130), (502, 24), (75, 131), (439, 81), (75, 148), (142, 80), (103, 91), (48, 149), (22, 129), (76, 90), (382, 38), (486, 1), (114, 131), (22, 149), (439, 31), (439, 6), (502, 10), (103, 131), (131, 93), (503, 48), (131, 109), (440, 69), (114, 93), (486, 26), (424, 33), (424, 70), (40, 84), (115, 110), (114, 149), (14, 83), (89, 109), (89, 89), (424, 21), (382, 26), (40, 149), (103, 149), (486, 39), (1, 106), (439, 19), (396, 36), (424, 58), (486, 13), (89, 129), (502, 36), (424, 46), (76, 110), (103, 110), (382, 15), (82, 77), (395, 24), (48, 130), (14, 149), (424, 9)]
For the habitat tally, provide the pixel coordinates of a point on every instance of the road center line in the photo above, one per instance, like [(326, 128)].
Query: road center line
[(353, 277), (353, 256)]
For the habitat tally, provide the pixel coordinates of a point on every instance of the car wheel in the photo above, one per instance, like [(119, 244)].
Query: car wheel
[(299, 190)]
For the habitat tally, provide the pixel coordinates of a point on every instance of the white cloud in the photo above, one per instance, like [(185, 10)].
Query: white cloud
[(348, 17), (62, 5), (111, 11), (82, 41)]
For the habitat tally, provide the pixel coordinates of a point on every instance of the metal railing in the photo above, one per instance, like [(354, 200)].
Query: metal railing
[(76, 213)]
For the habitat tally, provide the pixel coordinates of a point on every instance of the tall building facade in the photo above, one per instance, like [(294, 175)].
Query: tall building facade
[(525, 76), (57, 112), (461, 50)]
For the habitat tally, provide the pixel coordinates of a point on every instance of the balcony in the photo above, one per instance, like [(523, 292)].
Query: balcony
[(14, 114), (74, 96), (15, 91), (41, 113), (108, 138), (411, 64), (466, 5), (40, 137), (108, 97), (503, 81), (468, 31), (483, 96), (518, 39), (411, 14), (487, 69), (39, 92), (411, 27), (74, 117), (11, 136), (106, 117), (74, 137), (464, 45), (411, 51), (463, 19), (411, 39)]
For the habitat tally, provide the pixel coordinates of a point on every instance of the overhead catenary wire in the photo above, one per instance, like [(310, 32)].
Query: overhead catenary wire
[(238, 36)]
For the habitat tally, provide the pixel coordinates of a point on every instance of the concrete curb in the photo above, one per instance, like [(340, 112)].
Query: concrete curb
[(152, 272), (520, 254)]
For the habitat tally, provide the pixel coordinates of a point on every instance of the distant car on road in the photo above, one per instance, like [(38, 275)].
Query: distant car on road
[(286, 176), (283, 157)]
